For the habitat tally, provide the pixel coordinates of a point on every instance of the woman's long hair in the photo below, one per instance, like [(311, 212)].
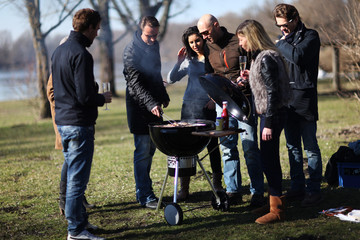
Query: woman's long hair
[(185, 39), (256, 36)]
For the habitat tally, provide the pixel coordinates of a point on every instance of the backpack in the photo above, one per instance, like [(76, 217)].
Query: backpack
[(343, 154)]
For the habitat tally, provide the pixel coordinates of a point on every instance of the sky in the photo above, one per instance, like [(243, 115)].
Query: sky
[(16, 23)]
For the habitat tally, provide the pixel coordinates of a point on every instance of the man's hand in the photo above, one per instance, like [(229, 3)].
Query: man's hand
[(165, 104), (157, 111), (107, 96)]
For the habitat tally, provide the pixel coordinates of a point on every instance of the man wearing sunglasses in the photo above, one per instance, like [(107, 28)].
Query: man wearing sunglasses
[(301, 46), (222, 58)]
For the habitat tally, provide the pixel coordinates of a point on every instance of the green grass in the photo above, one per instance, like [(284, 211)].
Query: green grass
[(30, 172)]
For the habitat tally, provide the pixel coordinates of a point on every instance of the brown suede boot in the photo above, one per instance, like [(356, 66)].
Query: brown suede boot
[(277, 211), (184, 191), (217, 181)]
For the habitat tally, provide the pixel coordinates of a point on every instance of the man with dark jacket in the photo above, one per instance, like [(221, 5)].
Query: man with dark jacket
[(76, 102), (223, 58), (145, 94), (301, 46)]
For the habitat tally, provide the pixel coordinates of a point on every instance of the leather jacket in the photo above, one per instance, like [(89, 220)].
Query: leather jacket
[(144, 84)]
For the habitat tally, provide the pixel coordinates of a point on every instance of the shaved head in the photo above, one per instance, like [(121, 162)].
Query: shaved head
[(206, 21), (209, 28)]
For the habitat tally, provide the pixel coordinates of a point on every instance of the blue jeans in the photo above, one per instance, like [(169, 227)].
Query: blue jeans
[(295, 130), (78, 149), (231, 160), (143, 154)]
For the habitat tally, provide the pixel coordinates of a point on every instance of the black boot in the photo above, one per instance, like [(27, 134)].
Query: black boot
[(217, 178), (184, 190), (62, 197)]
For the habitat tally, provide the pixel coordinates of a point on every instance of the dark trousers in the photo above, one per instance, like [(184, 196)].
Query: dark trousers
[(270, 158)]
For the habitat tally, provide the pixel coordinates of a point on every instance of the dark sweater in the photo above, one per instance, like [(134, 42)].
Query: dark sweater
[(75, 90)]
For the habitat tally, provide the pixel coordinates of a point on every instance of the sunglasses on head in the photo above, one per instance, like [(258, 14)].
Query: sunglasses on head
[(284, 25)]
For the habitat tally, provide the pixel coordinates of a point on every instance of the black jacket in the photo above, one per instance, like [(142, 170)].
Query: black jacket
[(301, 50), (144, 84), (75, 90)]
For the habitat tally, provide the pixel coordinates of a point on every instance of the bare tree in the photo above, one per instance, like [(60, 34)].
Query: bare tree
[(130, 18), (338, 23), (106, 46), (129, 14), (42, 63), (65, 8), (5, 46), (351, 44), (327, 18)]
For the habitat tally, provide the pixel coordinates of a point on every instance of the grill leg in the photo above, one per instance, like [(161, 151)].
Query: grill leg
[(162, 190), (176, 178), (218, 201)]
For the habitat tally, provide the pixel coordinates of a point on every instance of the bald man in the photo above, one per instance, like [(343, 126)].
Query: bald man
[(223, 59)]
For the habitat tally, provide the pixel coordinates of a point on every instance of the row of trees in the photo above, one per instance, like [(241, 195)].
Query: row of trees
[(15, 54), (337, 22)]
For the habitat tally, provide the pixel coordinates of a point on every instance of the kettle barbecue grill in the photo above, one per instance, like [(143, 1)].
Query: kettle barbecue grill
[(182, 143)]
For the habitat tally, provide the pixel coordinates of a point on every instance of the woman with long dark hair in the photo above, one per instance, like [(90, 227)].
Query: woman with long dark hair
[(196, 103)]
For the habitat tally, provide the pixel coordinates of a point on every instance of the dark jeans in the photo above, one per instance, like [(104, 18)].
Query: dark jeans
[(143, 156), (270, 157), (297, 129)]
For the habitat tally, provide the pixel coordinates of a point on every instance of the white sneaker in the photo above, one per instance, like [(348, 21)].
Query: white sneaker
[(84, 235), (90, 227)]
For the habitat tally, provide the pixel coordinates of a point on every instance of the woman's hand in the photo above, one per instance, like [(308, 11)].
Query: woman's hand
[(245, 74), (181, 55), (266, 134), (243, 80)]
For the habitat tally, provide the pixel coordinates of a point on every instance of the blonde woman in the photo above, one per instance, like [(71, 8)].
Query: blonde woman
[(269, 83)]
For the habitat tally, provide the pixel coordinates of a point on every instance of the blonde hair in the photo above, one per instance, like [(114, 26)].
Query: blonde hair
[(256, 36)]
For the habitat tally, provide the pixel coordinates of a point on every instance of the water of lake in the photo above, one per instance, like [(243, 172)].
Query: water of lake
[(22, 84)]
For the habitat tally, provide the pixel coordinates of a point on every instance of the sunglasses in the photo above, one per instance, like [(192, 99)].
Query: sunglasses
[(284, 25), (207, 32)]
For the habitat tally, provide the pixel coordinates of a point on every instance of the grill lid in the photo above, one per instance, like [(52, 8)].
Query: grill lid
[(222, 89)]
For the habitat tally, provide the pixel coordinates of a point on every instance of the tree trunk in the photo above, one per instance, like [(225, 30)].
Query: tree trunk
[(106, 46), (42, 65), (336, 67)]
